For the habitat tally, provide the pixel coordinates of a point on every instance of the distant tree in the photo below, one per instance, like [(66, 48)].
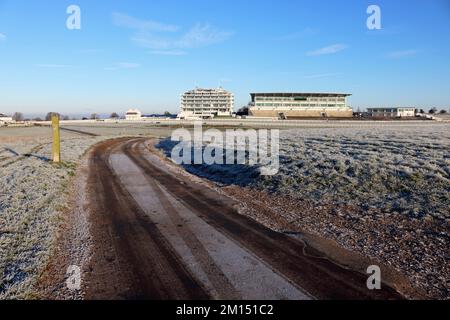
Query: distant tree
[(433, 111), (114, 115), (37, 119), (65, 118), (49, 115), (94, 116), (167, 114), (443, 111), (242, 111), (421, 111), (17, 116)]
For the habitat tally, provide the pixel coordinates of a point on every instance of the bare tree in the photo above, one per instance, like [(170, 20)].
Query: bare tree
[(49, 115), (114, 115), (17, 116), (94, 116)]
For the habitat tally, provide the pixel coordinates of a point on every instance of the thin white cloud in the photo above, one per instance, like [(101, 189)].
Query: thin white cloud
[(123, 65), (168, 52), (56, 66), (335, 48), (164, 39), (2, 36), (124, 20), (200, 35), (152, 42), (401, 54)]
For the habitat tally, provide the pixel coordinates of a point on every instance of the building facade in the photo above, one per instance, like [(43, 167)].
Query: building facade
[(133, 115), (206, 104), (300, 105), (391, 112), (5, 119)]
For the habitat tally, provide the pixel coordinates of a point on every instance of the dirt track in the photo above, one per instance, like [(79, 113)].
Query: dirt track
[(158, 235)]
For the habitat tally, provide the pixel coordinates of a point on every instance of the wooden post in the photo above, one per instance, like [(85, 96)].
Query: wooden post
[(56, 150)]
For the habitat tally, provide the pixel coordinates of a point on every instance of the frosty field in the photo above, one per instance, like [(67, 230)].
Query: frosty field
[(379, 189), (382, 190), (33, 196)]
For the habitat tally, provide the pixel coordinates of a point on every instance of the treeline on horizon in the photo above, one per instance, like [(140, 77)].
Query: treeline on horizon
[(19, 116)]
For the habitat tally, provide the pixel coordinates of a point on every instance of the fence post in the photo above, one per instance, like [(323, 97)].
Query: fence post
[(56, 150)]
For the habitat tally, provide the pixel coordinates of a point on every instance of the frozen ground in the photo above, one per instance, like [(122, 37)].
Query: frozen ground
[(33, 195), (402, 169), (383, 191), (396, 170)]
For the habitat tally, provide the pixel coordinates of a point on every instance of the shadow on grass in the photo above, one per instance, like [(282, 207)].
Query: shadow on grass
[(27, 155), (224, 174)]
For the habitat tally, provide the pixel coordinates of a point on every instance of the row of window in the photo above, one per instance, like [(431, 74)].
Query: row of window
[(206, 96), (392, 110), (299, 105), (206, 107), (300, 99), (204, 101)]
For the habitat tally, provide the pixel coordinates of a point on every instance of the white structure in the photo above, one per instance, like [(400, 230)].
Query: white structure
[(292, 105), (206, 104), (133, 115), (391, 112), (4, 118)]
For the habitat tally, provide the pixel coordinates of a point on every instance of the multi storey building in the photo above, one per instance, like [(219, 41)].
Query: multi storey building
[(300, 105), (206, 103)]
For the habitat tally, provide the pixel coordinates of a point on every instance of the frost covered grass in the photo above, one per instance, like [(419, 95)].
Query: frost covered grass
[(404, 170), (396, 169), (32, 197), (380, 190)]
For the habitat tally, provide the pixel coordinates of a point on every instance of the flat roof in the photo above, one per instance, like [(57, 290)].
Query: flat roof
[(390, 108), (302, 94)]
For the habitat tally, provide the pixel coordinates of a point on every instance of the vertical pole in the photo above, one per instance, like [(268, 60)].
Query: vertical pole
[(56, 150)]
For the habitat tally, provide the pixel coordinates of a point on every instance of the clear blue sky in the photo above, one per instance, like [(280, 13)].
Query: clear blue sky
[(144, 54)]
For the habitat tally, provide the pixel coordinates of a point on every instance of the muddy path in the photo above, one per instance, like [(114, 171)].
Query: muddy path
[(158, 235)]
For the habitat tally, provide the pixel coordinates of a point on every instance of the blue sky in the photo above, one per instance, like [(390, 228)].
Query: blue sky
[(144, 54)]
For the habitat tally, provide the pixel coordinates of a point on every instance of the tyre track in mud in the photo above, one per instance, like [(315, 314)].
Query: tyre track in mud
[(320, 277), (132, 259), (212, 270)]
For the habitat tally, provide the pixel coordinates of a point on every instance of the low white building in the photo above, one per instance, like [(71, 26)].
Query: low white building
[(392, 112), (4, 118), (133, 115)]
